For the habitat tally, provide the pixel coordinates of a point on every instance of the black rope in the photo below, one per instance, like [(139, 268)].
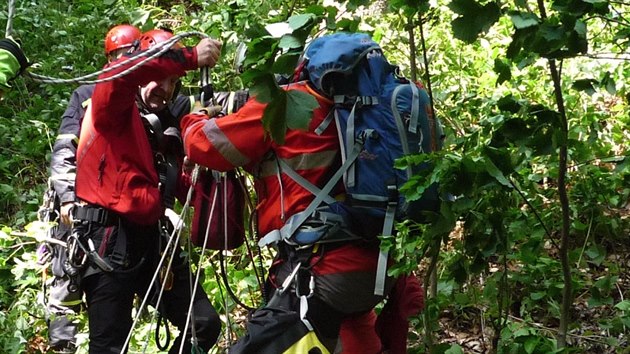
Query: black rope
[(228, 288), (162, 321)]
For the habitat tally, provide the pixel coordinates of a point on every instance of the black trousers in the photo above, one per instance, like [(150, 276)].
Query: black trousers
[(110, 295)]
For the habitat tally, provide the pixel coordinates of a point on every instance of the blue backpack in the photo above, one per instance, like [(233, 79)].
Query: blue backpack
[(380, 117)]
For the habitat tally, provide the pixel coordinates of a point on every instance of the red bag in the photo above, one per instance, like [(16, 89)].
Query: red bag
[(227, 187)]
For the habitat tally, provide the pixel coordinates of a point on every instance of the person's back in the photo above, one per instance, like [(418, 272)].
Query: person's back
[(343, 271), (312, 154)]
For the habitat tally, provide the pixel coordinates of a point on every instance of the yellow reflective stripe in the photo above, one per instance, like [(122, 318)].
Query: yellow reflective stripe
[(71, 303), (68, 136), (223, 145), (192, 103), (306, 161), (66, 303)]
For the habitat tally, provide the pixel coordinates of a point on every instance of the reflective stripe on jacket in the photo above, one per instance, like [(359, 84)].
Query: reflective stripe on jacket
[(63, 159), (239, 139), (115, 166)]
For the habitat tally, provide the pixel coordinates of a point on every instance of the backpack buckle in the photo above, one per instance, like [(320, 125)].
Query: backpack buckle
[(392, 194)]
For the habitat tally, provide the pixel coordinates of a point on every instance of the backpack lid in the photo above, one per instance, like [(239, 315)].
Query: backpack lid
[(338, 52)]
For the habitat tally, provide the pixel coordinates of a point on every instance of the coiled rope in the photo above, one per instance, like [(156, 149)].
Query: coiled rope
[(154, 52)]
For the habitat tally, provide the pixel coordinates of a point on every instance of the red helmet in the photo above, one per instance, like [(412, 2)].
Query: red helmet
[(122, 36), (150, 38)]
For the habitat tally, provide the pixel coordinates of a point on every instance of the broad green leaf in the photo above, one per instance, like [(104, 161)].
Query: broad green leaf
[(524, 19), (286, 63), (492, 169), (300, 106), (454, 349), (265, 88), (509, 103), (521, 332), (471, 23), (530, 344), (623, 305), (502, 68), (537, 295), (289, 41), (608, 83), (319, 10), (275, 117), (585, 85), (300, 21), (464, 7)]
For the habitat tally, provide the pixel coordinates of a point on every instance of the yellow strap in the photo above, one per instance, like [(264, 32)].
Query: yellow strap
[(306, 344)]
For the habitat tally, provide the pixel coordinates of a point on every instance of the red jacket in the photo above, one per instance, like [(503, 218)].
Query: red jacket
[(239, 140), (115, 167)]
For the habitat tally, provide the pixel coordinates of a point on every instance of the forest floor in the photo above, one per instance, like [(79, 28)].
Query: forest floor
[(588, 333)]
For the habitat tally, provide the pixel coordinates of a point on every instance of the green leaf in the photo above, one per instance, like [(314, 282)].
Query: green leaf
[(454, 349), (596, 253), (585, 85), (521, 332), (286, 63), (265, 87), (300, 21), (503, 69), (530, 344), (608, 83), (492, 169), (623, 305), (524, 19), (537, 295), (464, 7), (300, 106), (274, 117), (289, 41), (475, 20)]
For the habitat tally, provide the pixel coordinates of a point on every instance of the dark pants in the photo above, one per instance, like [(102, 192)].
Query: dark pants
[(343, 293), (110, 295)]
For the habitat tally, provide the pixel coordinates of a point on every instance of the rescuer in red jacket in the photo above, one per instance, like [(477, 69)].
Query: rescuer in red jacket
[(62, 329), (343, 272), (118, 222)]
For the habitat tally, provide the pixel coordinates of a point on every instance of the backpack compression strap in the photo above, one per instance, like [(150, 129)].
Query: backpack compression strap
[(392, 203), (298, 219)]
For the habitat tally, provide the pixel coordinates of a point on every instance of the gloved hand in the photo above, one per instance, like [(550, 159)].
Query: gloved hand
[(65, 213), (173, 217), (210, 111), (12, 62)]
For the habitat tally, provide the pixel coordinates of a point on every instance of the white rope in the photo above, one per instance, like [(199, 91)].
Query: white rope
[(157, 271), (225, 242), (10, 14), (193, 285), (153, 52), (171, 254)]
